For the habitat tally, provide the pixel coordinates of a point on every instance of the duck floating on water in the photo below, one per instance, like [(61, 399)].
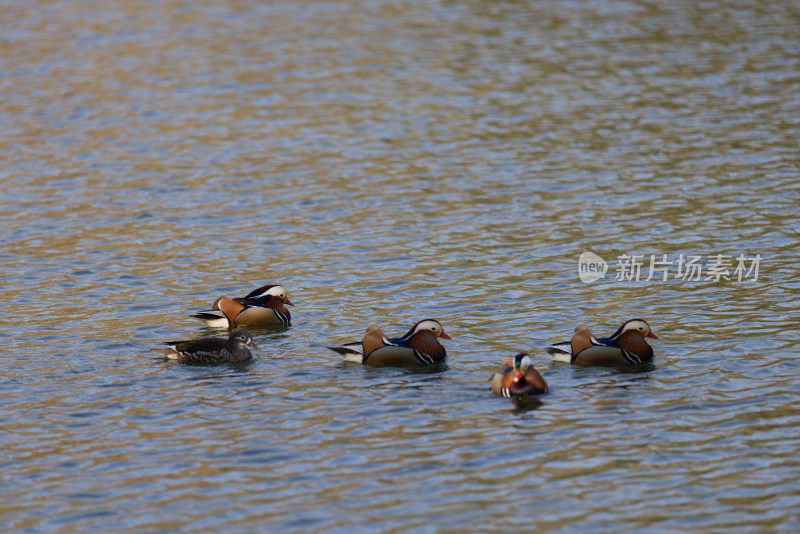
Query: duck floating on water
[(418, 347), (626, 346), (264, 306), (211, 350), (518, 378)]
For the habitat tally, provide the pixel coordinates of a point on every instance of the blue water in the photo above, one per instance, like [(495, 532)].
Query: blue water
[(387, 163)]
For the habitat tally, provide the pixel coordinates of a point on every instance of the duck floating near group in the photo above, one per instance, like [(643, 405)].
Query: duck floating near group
[(626, 346), (264, 306), (211, 350), (518, 378), (418, 347)]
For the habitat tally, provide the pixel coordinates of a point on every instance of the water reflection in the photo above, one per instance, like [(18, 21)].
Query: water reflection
[(525, 404), (392, 160)]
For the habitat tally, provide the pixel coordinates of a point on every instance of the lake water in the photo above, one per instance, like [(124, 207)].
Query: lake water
[(387, 162)]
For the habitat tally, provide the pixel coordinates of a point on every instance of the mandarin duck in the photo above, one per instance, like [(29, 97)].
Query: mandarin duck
[(211, 350), (626, 346), (518, 378), (418, 347), (261, 307)]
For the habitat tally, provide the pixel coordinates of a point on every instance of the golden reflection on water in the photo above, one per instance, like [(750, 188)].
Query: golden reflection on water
[(388, 162)]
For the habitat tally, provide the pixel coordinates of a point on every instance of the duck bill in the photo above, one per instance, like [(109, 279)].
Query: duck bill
[(288, 302), (445, 335), (517, 376), (652, 335)]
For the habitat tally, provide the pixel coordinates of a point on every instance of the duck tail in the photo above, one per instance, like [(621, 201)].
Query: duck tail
[(561, 352), (352, 352)]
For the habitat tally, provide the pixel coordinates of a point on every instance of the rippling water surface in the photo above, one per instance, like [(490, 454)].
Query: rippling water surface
[(387, 162)]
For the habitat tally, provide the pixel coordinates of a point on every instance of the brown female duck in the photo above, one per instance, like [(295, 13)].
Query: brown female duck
[(211, 350)]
